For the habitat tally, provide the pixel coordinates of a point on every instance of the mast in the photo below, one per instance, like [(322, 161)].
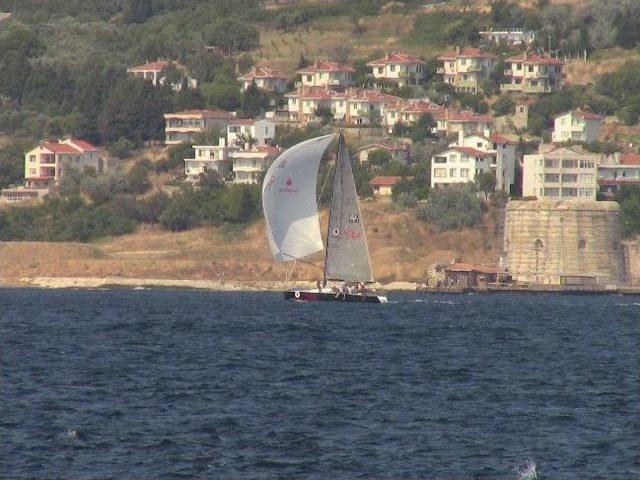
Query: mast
[(335, 174)]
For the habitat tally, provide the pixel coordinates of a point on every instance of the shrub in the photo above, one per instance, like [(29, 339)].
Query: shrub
[(181, 213), (138, 177), (452, 207), (504, 105)]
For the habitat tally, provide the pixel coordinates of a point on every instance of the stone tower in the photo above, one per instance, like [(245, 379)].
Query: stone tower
[(564, 243)]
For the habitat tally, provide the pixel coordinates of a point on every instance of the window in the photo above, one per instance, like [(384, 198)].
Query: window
[(32, 158), (569, 177), (587, 177), (569, 164), (32, 171), (586, 164), (439, 172), (518, 66), (440, 159), (530, 69), (569, 192), (479, 144), (538, 244), (551, 164), (551, 192), (309, 78), (582, 243), (551, 178), (464, 173), (392, 68), (381, 70), (452, 172)]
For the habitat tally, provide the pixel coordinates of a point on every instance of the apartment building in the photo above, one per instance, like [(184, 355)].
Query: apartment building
[(265, 78), (618, 170), (576, 126), (325, 73), (207, 158), (531, 73), (514, 38), (465, 68), (399, 68), (258, 132), (561, 173), (182, 127)]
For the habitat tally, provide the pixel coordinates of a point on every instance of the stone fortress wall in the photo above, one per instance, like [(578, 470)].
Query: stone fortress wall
[(564, 243)]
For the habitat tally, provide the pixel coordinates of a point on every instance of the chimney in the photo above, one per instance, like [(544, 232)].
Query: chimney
[(461, 138), (458, 50)]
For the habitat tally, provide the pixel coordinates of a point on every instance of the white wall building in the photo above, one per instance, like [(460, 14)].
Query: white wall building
[(466, 68), (265, 78), (181, 127), (510, 37), (242, 131), (325, 73), (209, 158), (576, 126), (248, 165), (565, 173), (618, 170)]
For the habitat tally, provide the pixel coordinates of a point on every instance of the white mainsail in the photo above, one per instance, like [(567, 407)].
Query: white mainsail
[(289, 200)]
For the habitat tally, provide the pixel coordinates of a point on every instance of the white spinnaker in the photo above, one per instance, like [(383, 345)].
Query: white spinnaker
[(289, 200)]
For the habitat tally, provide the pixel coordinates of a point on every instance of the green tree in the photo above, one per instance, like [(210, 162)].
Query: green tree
[(452, 207), (379, 158), (11, 165), (225, 96), (232, 34), (504, 105), (486, 182), (253, 101), (138, 177), (423, 128), (629, 199), (136, 11)]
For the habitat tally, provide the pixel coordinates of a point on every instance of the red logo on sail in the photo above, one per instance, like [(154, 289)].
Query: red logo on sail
[(289, 188)]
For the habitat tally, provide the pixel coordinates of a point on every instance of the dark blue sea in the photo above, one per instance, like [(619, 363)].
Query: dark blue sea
[(176, 384)]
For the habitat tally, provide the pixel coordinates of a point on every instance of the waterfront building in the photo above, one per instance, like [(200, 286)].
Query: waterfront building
[(561, 173), (564, 243)]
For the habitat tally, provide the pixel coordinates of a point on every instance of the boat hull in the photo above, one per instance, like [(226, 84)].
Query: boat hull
[(316, 296)]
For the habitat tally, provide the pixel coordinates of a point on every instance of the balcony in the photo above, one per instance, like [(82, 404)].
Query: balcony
[(511, 87)]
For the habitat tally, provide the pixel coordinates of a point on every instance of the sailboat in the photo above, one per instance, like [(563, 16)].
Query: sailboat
[(293, 226)]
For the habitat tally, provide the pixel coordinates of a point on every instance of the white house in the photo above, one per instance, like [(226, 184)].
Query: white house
[(532, 73), (382, 186), (251, 131), (576, 126), (460, 165), (561, 173), (210, 158), (399, 151), (248, 165), (450, 122), (265, 78), (510, 37), (406, 112), (325, 73), (155, 73), (400, 68), (503, 149)]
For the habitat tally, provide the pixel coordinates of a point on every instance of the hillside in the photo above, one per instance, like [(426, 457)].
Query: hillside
[(402, 248)]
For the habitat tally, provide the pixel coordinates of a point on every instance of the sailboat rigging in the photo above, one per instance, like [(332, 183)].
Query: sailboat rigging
[(293, 225)]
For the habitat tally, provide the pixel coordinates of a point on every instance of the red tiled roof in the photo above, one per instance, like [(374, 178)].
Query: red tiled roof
[(419, 106), (384, 181), (158, 66), (202, 113), (629, 159), (534, 58), (497, 138), (269, 149), (262, 72), (396, 58), (56, 147), (588, 115), (315, 93), (471, 151), (370, 96), (467, 52), (83, 145), (242, 121), (323, 65)]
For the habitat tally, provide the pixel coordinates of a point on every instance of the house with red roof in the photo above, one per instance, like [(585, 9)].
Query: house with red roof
[(577, 126), (531, 73), (400, 68), (155, 72), (406, 112), (450, 122), (382, 186), (303, 102), (182, 127), (460, 165), (465, 68), (265, 78), (326, 73), (46, 164), (503, 153), (617, 170)]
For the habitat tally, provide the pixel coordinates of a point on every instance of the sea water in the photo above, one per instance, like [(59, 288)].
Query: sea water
[(177, 384)]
